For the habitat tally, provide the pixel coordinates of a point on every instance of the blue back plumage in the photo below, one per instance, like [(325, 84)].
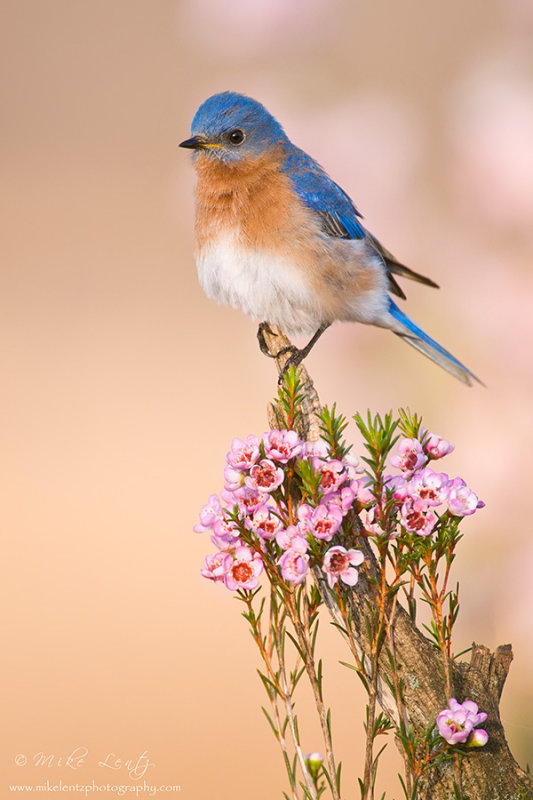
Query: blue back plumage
[(322, 195)]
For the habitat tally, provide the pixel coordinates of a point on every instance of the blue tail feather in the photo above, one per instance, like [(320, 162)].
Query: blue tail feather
[(419, 339)]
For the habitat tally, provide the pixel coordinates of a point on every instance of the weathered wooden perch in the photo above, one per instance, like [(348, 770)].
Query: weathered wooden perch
[(490, 773), (309, 430)]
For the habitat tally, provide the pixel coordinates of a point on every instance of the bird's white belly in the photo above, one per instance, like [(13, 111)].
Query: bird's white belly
[(266, 286)]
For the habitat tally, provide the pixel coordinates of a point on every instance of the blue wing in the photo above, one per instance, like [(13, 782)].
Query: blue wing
[(339, 216)]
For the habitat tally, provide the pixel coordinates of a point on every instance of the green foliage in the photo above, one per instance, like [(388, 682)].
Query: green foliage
[(290, 397), (332, 426), (379, 438)]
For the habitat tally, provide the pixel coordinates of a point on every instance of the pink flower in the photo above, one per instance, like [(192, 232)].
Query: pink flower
[(264, 522), (322, 522), (291, 538), (362, 491), (228, 497), (243, 455), (456, 723), (249, 500), (214, 566), (234, 479), (333, 474), (294, 566), (410, 456), (242, 569), (352, 465), (344, 498), (433, 487), (318, 449), (435, 446), (461, 500), (417, 517), (209, 514), (340, 563), (265, 476), (397, 486), (372, 523), (281, 446), (225, 534)]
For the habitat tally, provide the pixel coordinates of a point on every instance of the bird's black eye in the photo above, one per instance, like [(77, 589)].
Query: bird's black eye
[(236, 136)]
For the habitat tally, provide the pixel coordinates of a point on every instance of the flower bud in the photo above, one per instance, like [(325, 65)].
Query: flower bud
[(314, 762), (478, 738)]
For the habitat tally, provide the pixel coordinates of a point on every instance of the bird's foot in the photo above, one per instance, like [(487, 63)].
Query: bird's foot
[(263, 328), (294, 360), (296, 355)]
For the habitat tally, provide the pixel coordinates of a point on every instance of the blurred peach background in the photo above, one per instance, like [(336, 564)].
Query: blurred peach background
[(123, 385)]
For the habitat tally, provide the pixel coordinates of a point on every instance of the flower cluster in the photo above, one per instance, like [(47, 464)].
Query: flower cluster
[(418, 491), (456, 724), (269, 514)]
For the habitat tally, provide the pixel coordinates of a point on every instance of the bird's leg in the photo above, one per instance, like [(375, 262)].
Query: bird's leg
[(298, 355)]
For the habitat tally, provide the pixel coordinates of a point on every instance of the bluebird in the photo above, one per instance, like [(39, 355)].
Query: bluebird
[(278, 239)]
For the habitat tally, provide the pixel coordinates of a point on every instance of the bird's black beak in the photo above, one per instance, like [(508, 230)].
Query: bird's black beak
[(195, 143)]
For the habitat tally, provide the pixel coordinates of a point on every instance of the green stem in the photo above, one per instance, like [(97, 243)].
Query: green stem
[(304, 642)]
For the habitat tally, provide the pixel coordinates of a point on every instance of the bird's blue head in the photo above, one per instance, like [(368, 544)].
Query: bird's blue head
[(232, 127)]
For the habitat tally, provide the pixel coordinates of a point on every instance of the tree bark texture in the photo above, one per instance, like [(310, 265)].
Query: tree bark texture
[(487, 773)]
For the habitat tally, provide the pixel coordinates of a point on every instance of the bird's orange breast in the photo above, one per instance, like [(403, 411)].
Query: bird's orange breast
[(255, 200)]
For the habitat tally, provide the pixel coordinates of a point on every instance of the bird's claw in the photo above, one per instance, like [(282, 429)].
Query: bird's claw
[(293, 361), (263, 328)]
